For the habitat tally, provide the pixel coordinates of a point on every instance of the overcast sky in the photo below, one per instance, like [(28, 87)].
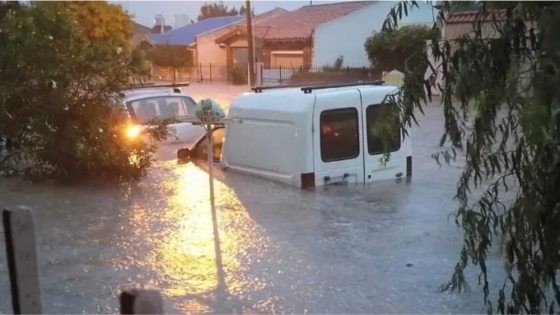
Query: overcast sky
[(146, 10)]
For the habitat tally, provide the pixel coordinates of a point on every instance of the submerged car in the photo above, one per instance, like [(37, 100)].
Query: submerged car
[(163, 101)]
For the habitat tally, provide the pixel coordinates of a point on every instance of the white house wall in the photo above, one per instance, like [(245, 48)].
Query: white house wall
[(346, 35)]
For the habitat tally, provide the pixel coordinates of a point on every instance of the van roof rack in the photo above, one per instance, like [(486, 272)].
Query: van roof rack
[(309, 89), (259, 89), (152, 85)]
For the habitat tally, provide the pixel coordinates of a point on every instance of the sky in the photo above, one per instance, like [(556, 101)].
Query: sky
[(145, 11)]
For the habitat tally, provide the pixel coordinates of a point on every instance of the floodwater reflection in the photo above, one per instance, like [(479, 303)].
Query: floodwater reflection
[(193, 252)]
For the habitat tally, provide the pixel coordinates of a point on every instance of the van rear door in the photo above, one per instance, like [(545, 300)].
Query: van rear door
[(377, 119), (338, 149)]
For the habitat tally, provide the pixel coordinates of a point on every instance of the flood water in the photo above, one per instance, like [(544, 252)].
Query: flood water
[(379, 249)]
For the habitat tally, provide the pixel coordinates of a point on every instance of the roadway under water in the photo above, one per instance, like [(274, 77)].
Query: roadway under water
[(379, 249)]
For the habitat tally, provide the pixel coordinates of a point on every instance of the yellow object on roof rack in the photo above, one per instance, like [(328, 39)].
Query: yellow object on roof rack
[(151, 85), (394, 77)]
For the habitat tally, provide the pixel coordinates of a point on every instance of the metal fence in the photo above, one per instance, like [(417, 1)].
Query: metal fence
[(307, 75), (203, 73), (266, 76)]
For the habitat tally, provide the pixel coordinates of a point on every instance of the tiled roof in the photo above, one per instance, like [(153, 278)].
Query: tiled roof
[(138, 28), (258, 18), (470, 16), (138, 32), (299, 24), (269, 15), (186, 35)]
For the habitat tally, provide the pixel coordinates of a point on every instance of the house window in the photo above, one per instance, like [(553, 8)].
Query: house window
[(383, 122), (340, 139)]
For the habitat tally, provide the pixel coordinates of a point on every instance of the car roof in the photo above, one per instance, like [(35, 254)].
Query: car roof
[(132, 95)]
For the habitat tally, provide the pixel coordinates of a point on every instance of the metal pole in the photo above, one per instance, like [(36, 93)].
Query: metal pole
[(210, 164), (250, 43)]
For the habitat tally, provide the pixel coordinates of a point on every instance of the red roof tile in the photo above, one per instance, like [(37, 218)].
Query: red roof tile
[(470, 16), (299, 24)]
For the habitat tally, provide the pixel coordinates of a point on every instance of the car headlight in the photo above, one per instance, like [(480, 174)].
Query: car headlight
[(133, 131)]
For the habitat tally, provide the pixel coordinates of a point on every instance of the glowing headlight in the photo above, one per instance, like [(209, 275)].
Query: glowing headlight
[(133, 131)]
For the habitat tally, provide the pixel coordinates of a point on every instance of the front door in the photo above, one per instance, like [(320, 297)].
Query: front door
[(336, 138), (381, 131)]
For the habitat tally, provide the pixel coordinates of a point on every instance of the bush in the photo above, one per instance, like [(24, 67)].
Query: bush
[(239, 76), (58, 100), (398, 49)]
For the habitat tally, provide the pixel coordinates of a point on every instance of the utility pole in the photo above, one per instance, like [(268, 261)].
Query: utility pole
[(250, 43)]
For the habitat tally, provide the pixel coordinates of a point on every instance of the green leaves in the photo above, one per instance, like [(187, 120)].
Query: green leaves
[(57, 100), (170, 56), (399, 49), (216, 9), (501, 77)]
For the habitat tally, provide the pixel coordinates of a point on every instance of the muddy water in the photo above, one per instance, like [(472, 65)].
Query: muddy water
[(268, 248)]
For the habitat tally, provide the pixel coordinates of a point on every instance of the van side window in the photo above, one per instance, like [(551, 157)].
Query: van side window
[(379, 126), (340, 139)]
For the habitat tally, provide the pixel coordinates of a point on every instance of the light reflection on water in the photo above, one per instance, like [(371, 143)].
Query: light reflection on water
[(184, 256)]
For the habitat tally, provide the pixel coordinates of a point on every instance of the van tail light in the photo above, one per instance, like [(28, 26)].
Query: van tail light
[(307, 180)]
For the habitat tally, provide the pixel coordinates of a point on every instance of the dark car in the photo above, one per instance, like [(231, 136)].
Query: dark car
[(200, 150)]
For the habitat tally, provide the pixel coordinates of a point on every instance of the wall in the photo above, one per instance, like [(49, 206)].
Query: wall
[(208, 51), (346, 35)]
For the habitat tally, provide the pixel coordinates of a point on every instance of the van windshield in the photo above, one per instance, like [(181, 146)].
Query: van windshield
[(163, 107)]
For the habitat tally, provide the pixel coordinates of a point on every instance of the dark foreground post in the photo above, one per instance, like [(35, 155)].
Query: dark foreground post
[(210, 164), (141, 302), (21, 252)]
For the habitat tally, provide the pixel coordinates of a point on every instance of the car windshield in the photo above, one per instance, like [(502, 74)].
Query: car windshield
[(163, 107)]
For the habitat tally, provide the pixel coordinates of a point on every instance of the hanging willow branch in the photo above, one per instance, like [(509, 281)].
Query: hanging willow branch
[(501, 78)]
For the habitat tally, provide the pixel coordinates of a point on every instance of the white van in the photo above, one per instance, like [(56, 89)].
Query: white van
[(309, 137)]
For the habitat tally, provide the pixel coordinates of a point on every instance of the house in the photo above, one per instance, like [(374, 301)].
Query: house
[(138, 32), (186, 35), (345, 35), (200, 37), (460, 23), (185, 38), (316, 35), (210, 52)]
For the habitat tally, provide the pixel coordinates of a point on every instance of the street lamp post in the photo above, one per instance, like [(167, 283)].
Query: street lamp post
[(250, 43)]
